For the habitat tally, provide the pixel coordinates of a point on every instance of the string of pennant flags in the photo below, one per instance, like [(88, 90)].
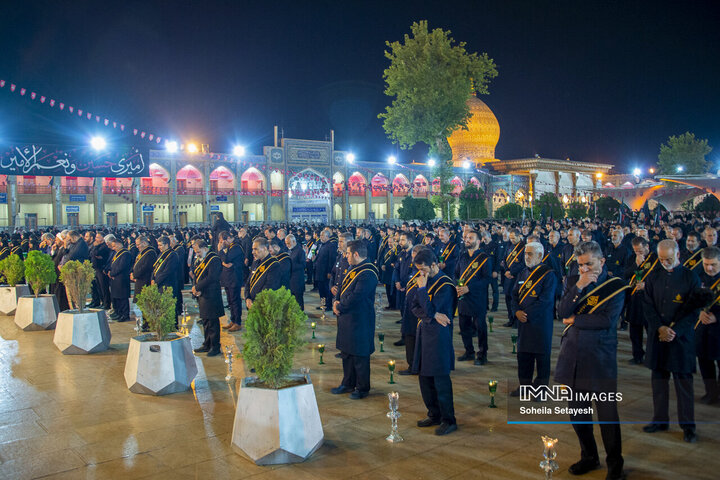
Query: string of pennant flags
[(52, 102)]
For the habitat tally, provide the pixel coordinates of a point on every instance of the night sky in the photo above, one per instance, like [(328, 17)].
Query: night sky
[(594, 81)]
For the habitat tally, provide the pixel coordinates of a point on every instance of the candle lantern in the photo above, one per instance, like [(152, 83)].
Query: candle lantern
[(381, 337), (549, 465), (491, 319), (492, 386), (393, 415), (513, 338), (321, 349), (313, 325), (391, 367)]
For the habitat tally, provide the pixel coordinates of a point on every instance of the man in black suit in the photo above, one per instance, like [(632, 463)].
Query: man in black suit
[(118, 270), (207, 291), (165, 268), (99, 254), (324, 262), (264, 274), (587, 362), (297, 270), (233, 258), (143, 268)]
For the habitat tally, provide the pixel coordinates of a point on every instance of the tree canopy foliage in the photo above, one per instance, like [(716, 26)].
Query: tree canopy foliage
[(472, 203), (509, 211), (607, 208), (416, 209), (549, 205), (684, 151)]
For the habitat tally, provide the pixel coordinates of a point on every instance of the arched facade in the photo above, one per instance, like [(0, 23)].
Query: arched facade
[(401, 185), (222, 181), (189, 180), (421, 186), (379, 185)]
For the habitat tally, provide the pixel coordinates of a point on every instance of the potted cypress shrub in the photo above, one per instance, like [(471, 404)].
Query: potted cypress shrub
[(38, 312), (12, 271), (80, 331), (276, 418), (162, 362)]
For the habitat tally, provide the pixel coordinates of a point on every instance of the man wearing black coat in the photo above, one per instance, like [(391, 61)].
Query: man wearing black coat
[(233, 258), (297, 270), (587, 362), (264, 272), (324, 262), (284, 267), (356, 322), (142, 271), (99, 255), (181, 254), (707, 328), (473, 273), (671, 319), (118, 270), (165, 268), (209, 297), (76, 249)]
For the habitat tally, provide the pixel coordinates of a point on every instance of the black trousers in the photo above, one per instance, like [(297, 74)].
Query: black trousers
[(104, 286), (390, 292), (95, 293), (211, 327), (409, 349), (684, 393), (710, 376), (235, 303), (495, 293), (299, 294), (636, 330), (122, 308), (470, 326), (356, 372), (508, 305), (437, 394), (610, 432), (526, 365), (324, 292)]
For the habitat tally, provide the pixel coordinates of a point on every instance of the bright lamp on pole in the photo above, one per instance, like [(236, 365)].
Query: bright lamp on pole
[(431, 162), (192, 147), (392, 160), (680, 168), (239, 151), (637, 172), (350, 157), (171, 146), (466, 164)]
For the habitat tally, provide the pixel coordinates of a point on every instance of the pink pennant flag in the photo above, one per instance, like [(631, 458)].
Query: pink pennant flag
[(135, 130), (33, 95), (80, 112), (89, 116), (2, 83), (142, 134), (97, 119), (114, 124), (157, 140), (122, 127), (12, 87), (62, 106), (22, 91), (42, 98), (52, 102), (150, 137), (106, 122)]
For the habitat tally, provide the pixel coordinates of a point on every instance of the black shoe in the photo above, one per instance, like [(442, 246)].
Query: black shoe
[(340, 390), (635, 361), (493, 309), (656, 427), (515, 393), (338, 355), (388, 308), (622, 328), (584, 466), (120, 320), (405, 372), (202, 349), (399, 321), (399, 343), (445, 428), (709, 399), (214, 353), (611, 476), (428, 422), (357, 395), (508, 324), (480, 360), (466, 356), (319, 308), (690, 436)]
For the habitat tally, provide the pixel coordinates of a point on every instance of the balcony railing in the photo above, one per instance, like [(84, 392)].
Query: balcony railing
[(253, 191), (82, 189), (114, 189), (190, 191), (34, 189), (222, 191), (155, 190)]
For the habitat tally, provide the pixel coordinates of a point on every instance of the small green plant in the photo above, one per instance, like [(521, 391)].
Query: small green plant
[(274, 329), (12, 269), (39, 271), (77, 278), (158, 309)]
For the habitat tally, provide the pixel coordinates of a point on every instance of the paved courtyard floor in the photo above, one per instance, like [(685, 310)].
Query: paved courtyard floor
[(72, 417)]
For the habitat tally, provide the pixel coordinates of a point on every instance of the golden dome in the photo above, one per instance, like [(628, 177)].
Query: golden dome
[(478, 142)]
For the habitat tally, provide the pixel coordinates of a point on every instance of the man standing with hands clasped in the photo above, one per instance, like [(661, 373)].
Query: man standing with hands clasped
[(587, 362)]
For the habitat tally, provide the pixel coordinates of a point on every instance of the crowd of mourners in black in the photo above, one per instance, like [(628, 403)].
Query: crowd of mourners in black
[(656, 280)]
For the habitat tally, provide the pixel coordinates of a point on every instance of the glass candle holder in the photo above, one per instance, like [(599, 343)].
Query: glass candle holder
[(491, 319), (313, 325), (391, 368), (513, 338), (321, 349), (393, 415), (549, 465), (492, 386), (381, 337), (460, 283)]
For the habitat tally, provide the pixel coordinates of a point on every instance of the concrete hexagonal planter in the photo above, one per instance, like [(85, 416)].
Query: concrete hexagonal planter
[(37, 313), (277, 426), (160, 367), (9, 298), (81, 333)]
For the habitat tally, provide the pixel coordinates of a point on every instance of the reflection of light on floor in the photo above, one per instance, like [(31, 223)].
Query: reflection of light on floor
[(129, 450)]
